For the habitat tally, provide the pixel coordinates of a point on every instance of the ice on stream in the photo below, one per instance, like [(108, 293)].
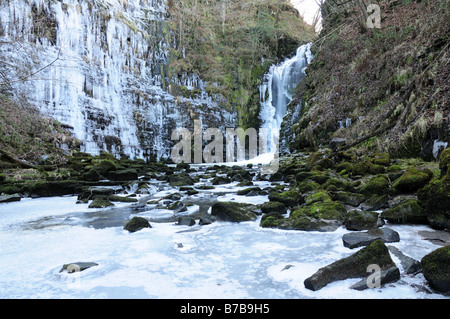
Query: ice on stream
[(221, 260)]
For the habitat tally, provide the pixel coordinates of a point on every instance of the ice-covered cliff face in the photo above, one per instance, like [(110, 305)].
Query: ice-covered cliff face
[(100, 68)]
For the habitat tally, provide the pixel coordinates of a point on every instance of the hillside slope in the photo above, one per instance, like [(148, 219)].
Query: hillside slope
[(380, 89)]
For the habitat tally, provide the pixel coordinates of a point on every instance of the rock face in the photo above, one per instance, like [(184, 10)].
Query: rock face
[(436, 269), (233, 212), (352, 267), (358, 239), (137, 223)]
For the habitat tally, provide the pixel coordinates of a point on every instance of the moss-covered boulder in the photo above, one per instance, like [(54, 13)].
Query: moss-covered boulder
[(123, 175), (271, 220), (353, 266), (377, 185), (348, 198), (273, 207), (444, 161), (100, 203), (436, 269), (290, 198), (180, 179), (412, 180), (406, 212), (233, 212), (435, 199), (321, 215), (360, 220), (383, 159), (137, 223), (375, 202)]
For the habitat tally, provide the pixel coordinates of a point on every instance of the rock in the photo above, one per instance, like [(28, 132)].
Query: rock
[(337, 142), (289, 198), (406, 212), (436, 269), (324, 215), (273, 207), (100, 203), (435, 200), (122, 199), (375, 202), (249, 190), (186, 221), (233, 212), (93, 192), (358, 239), (389, 275), (271, 220), (353, 266), (444, 161), (123, 175), (219, 180), (377, 185), (361, 220), (137, 223), (77, 267), (205, 221), (348, 198), (412, 180), (180, 179), (410, 265), (10, 198)]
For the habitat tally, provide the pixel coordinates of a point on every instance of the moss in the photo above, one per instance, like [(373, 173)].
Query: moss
[(435, 199), (328, 210), (408, 211), (289, 198), (270, 207), (100, 203), (271, 220), (412, 180), (137, 223), (436, 268), (122, 199), (383, 159), (233, 212), (376, 185), (360, 220), (444, 161), (317, 196), (337, 184)]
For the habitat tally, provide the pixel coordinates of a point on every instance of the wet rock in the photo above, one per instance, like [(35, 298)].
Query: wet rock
[(273, 207), (406, 212), (289, 198), (410, 265), (91, 193), (353, 266), (123, 175), (389, 275), (77, 267), (220, 180), (10, 198), (186, 221), (136, 224), (436, 269), (100, 203), (435, 200), (233, 212), (348, 198), (375, 202), (412, 180), (361, 220), (358, 239), (205, 221), (180, 179)]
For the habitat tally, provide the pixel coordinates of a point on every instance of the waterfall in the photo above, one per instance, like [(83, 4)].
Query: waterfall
[(278, 87)]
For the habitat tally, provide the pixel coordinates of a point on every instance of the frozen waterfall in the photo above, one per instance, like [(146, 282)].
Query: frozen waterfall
[(277, 89)]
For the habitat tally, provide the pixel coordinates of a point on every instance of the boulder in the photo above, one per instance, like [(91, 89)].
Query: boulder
[(93, 192), (233, 212), (435, 199), (219, 180), (180, 179), (353, 266), (100, 203), (137, 223), (10, 198), (358, 239), (436, 269), (406, 212), (410, 265), (361, 220), (377, 185), (375, 202), (186, 221), (289, 198), (444, 161), (275, 207), (123, 175), (389, 275), (348, 198), (412, 180), (77, 267)]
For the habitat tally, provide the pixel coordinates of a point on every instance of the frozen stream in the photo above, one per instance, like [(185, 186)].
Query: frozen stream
[(220, 260)]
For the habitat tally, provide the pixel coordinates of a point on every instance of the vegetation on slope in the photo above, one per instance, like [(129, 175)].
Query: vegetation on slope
[(391, 82), (231, 44)]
